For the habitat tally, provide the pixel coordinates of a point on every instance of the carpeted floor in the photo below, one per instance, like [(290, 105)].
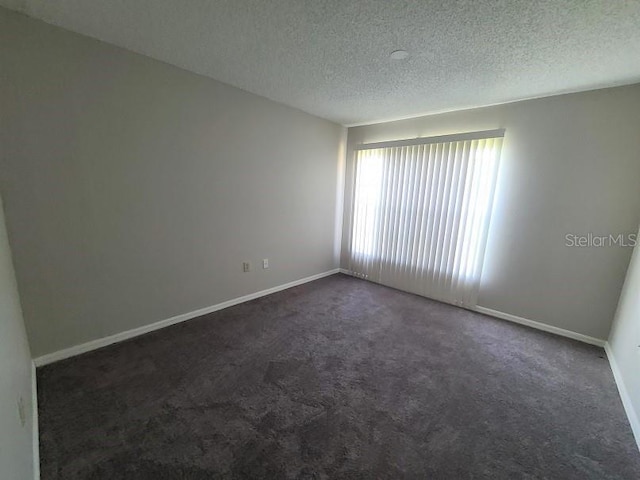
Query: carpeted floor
[(336, 379)]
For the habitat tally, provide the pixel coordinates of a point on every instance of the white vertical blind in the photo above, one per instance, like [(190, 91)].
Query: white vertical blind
[(421, 215)]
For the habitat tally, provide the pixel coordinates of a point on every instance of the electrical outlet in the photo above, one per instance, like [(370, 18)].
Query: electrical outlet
[(246, 267), (22, 414), (265, 263)]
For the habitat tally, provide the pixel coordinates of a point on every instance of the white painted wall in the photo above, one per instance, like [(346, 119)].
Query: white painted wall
[(16, 438), (135, 190), (624, 343), (569, 165)]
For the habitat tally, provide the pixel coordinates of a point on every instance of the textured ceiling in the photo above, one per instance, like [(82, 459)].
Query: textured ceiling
[(331, 57)]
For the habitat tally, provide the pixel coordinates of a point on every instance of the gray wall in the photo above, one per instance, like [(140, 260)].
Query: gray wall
[(134, 189), (16, 439), (624, 342), (570, 165)]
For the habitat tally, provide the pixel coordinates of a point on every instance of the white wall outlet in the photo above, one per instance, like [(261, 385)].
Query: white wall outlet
[(246, 267), (265, 263), (22, 412)]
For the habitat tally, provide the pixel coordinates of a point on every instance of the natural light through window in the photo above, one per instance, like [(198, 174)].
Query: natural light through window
[(421, 213)]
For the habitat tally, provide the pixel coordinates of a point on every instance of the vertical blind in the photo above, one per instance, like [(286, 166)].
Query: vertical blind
[(421, 212)]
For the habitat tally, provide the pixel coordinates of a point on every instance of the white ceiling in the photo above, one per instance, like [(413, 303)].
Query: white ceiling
[(331, 57)]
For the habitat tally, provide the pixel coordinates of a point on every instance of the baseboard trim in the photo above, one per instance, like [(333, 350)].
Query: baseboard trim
[(541, 326), (119, 337), (34, 419), (105, 341), (622, 389), (529, 323), (632, 415)]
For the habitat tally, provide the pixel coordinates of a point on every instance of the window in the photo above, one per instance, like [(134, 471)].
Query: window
[(421, 211)]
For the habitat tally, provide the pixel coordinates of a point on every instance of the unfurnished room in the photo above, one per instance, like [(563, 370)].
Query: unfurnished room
[(319, 239)]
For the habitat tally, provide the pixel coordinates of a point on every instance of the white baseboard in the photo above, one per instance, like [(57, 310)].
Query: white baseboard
[(34, 418), (541, 326), (624, 394), (632, 415), (102, 342), (529, 323), (119, 337)]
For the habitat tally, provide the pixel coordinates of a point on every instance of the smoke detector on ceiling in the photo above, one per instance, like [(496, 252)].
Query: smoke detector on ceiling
[(399, 55)]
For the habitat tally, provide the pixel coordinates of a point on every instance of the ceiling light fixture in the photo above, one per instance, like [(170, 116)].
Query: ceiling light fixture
[(399, 55)]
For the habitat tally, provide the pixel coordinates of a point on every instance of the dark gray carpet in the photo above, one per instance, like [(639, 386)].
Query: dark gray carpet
[(336, 379)]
